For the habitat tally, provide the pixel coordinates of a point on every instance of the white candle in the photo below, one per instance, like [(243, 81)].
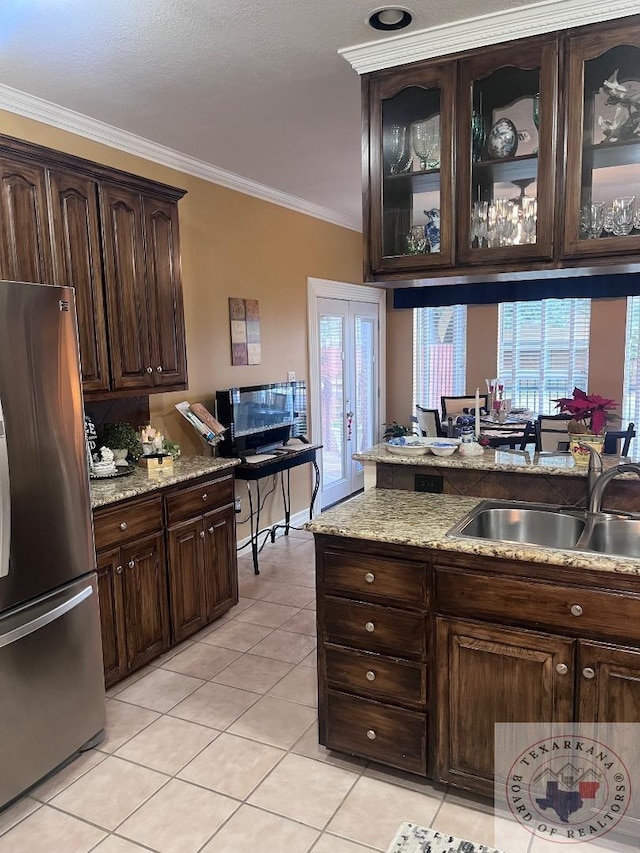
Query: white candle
[(477, 413)]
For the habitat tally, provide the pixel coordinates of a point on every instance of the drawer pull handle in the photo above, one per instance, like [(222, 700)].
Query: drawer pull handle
[(371, 734), (562, 669), (576, 610), (132, 564), (205, 496), (118, 570), (370, 675), (159, 368), (202, 534), (211, 530), (369, 577), (149, 369), (123, 525), (588, 672), (370, 627)]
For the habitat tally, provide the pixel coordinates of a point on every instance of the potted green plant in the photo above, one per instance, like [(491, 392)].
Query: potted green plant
[(589, 415), (121, 436), (394, 430)]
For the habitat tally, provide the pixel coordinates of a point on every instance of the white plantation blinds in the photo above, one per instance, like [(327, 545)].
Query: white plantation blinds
[(439, 354), (631, 388), (543, 351)]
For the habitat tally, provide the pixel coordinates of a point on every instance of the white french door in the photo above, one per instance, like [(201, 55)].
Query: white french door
[(345, 383)]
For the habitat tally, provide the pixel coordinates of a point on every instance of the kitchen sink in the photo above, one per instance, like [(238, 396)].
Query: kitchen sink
[(614, 536), (531, 524)]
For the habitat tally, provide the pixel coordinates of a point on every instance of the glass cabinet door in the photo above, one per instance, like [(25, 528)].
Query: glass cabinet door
[(411, 177), (602, 200), (506, 153)]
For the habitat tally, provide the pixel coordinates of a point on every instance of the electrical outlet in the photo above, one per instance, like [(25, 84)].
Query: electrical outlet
[(429, 483), (291, 376), (238, 504)]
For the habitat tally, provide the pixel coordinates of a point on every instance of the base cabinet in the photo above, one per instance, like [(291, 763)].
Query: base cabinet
[(153, 596), (419, 656)]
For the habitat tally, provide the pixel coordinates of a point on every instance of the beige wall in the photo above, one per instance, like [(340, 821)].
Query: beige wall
[(232, 245), (606, 352)]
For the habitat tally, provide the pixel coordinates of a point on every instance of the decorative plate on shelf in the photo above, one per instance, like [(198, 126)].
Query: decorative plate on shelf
[(502, 140), (119, 472)]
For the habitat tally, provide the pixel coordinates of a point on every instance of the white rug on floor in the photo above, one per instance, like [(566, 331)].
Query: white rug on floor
[(411, 838)]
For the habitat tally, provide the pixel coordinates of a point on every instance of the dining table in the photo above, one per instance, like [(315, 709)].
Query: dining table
[(508, 433)]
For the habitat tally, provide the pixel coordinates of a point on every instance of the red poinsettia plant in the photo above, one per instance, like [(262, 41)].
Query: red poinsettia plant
[(589, 412)]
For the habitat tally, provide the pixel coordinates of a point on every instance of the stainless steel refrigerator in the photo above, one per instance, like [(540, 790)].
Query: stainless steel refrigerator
[(51, 681)]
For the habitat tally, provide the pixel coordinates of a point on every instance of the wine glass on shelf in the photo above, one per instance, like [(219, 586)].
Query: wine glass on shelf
[(529, 207), (592, 219), (425, 139), (399, 152), (623, 215)]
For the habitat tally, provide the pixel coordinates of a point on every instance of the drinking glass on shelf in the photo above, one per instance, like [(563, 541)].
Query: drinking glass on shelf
[(608, 219), (479, 222), (623, 215), (592, 219), (416, 240), (636, 219), (529, 208), (399, 152), (425, 139)]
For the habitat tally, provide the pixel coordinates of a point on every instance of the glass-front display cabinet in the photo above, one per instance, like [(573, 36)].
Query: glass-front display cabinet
[(602, 198), (411, 224), (506, 152)]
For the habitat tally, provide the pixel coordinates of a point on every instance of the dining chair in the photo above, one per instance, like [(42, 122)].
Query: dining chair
[(551, 433), (529, 436), (456, 405), (617, 441), (429, 422)]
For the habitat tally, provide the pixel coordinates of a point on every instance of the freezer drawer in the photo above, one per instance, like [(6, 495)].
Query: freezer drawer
[(52, 697)]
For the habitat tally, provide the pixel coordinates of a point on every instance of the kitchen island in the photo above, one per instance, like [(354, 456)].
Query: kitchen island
[(425, 641)]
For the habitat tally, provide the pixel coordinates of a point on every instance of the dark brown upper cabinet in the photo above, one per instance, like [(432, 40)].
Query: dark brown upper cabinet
[(410, 142), (602, 194), (114, 238), (506, 152)]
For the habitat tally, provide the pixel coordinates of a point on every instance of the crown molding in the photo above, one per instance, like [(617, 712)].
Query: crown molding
[(21, 103), (494, 28)]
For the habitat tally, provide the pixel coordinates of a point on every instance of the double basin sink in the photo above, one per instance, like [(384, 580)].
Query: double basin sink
[(551, 527)]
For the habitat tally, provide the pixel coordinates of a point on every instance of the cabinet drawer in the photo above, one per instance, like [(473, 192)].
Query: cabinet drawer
[(376, 578), (389, 735), (197, 500), (122, 524), (375, 629), (387, 679), (576, 610)]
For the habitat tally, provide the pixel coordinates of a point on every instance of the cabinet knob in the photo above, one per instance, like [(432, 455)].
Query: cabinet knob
[(370, 627), (149, 369), (159, 368), (369, 577), (371, 734), (211, 529), (588, 672), (118, 570), (132, 564), (202, 534), (370, 675), (562, 669), (205, 496), (576, 610), (123, 525)]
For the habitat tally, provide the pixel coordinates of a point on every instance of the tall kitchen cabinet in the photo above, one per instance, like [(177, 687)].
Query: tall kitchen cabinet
[(114, 237)]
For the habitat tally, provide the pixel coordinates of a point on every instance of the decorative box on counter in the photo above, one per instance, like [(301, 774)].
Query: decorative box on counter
[(156, 462)]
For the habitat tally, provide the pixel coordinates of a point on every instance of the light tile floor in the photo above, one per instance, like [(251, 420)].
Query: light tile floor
[(214, 748)]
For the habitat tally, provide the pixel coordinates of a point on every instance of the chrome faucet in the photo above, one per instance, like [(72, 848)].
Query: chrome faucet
[(603, 480), (595, 469)]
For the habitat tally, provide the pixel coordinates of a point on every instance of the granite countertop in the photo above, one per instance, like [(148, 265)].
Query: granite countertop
[(110, 491), (422, 519), (522, 461)]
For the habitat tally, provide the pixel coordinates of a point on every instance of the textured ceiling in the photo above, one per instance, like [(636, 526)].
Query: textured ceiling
[(254, 88)]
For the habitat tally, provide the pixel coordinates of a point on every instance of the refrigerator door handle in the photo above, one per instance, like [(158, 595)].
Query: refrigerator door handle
[(5, 500), (35, 624)]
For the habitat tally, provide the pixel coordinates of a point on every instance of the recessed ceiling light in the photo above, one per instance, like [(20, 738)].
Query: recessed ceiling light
[(390, 18)]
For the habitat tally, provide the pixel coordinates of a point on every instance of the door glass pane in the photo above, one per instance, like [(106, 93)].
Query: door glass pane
[(610, 193), (363, 432), (504, 154), (332, 403), (411, 172)]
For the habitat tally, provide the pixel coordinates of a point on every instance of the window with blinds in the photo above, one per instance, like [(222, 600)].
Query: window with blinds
[(631, 388), (439, 354), (543, 351)]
